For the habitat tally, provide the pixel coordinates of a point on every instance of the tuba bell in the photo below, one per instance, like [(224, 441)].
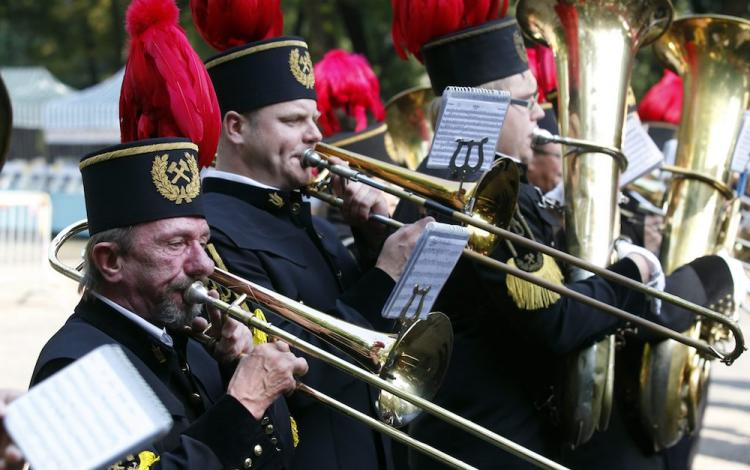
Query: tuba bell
[(712, 54), (409, 126), (594, 44)]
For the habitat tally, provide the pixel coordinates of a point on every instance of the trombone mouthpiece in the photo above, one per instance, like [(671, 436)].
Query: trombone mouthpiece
[(542, 136), (196, 293), (311, 158)]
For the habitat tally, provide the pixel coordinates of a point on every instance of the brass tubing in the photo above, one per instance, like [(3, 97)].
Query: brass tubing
[(542, 136), (241, 315), (314, 158)]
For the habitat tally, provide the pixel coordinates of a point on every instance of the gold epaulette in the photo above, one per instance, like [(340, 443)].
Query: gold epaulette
[(527, 295)]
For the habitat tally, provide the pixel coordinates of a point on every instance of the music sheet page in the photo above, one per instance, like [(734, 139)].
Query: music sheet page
[(469, 115), (88, 415), (435, 255)]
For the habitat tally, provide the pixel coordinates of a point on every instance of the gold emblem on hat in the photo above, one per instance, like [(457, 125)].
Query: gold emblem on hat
[(301, 66), (520, 46), (177, 181)]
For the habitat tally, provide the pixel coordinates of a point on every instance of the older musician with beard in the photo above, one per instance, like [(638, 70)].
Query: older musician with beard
[(148, 236)]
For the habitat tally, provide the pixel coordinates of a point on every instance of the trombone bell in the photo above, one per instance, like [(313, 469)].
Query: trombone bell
[(415, 360)]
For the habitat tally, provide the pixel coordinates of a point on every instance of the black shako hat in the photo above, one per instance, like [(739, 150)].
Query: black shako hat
[(477, 55), (262, 73), (141, 181)]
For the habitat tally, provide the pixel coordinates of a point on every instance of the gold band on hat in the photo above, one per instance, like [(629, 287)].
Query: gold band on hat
[(253, 50), (137, 151)]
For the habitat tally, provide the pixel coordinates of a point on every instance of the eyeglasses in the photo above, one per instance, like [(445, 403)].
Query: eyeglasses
[(528, 104)]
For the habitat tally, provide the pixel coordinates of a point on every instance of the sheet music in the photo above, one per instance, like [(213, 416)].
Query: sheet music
[(435, 255), (642, 153), (741, 155), (469, 114), (88, 415)]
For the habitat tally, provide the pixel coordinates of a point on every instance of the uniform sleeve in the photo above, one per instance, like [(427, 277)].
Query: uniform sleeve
[(226, 436), (567, 325), (368, 296)]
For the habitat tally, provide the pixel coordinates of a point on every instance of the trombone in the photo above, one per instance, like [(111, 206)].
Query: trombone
[(476, 198), (397, 358)]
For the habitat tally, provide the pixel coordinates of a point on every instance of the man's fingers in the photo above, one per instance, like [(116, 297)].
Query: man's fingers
[(199, 324), (299, 367), (281, 346)]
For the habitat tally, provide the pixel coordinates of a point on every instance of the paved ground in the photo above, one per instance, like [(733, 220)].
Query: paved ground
[(725, 438), (36, 303)]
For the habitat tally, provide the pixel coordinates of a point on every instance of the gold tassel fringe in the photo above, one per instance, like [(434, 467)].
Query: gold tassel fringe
[(528, 296), (295, 431), (259, 337)]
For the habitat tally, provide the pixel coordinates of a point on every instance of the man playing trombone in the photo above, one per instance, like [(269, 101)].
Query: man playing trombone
[(138, 262), (262, 229), (147, 246)]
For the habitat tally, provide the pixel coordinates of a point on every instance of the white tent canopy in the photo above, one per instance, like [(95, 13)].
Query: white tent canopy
[(30, 88), (88, 116)]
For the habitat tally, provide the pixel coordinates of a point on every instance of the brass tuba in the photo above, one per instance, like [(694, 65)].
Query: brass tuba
[(712, 54), (409, 126), (594, 43)]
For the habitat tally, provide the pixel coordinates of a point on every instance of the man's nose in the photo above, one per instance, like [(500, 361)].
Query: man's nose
[(313, 135), (198, 264), (537, 112)]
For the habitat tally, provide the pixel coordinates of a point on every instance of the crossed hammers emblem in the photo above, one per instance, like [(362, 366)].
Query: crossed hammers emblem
[(179, 172)]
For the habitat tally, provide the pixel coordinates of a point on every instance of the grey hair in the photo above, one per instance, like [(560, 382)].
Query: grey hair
[(92, 278)]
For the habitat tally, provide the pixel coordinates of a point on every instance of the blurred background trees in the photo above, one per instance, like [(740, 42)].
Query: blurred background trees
[(84, 41)]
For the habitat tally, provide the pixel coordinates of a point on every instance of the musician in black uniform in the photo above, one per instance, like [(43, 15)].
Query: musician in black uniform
[(147, 245), (262, 230), (510, 335)]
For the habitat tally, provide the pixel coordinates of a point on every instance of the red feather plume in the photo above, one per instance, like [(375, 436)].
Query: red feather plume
[(166, 91), (663, 101), (345, 82), (542, 65), (417, 22), (224, 24)]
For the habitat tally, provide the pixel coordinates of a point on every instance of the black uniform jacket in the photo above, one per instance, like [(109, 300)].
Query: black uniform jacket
[(211, 429), (503, 367), (270, 238)]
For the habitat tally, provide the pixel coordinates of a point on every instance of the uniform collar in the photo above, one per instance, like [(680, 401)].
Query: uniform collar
[(152, 330), (214, 173), (274, 201)]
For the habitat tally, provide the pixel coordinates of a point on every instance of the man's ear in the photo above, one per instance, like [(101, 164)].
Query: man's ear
[(232, 125), (108, 259)]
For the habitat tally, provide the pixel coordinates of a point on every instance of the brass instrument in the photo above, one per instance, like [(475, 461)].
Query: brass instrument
[(409, 126), (594, 44), (418, 353), (712, 54), (491, 200), (6, 122), (359, 163)]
